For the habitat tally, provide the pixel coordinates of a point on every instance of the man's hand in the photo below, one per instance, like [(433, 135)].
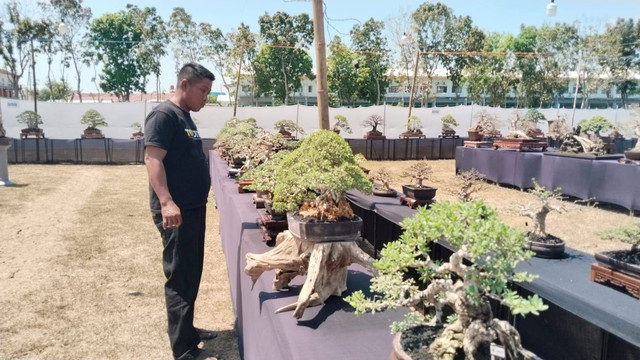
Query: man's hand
[(171, 216)]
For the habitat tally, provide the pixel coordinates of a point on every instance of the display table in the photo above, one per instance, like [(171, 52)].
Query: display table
[(598, 180), (585, 320), (331, 331)]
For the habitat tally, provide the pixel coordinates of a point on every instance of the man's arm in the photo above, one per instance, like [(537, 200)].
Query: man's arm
[(153, 157)]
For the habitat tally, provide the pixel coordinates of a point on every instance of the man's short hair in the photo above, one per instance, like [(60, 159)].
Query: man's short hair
[(193, 72)]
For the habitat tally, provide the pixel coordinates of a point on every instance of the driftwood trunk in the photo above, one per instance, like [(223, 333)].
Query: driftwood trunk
[(325, 265)]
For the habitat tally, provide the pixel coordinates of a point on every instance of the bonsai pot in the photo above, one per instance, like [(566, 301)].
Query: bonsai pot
[(632, 155), (137, 135), (549, 248), (378, 191), (623, 261), (411, 341), (449, 133), (419, 193), (92, 134), (374, 135), (311, 229), (274, 215), (475, 136)]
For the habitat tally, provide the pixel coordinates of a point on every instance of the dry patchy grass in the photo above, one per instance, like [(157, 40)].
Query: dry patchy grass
[(81, 274)]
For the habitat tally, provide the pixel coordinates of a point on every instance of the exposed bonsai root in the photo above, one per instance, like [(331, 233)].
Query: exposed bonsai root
[(324, 263)]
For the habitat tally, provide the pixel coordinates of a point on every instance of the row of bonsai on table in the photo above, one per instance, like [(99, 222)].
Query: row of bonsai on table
[(449, 299), (584, 140), (92, 118)]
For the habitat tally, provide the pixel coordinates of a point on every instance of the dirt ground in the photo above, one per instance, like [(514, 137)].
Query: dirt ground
[(80, 261)]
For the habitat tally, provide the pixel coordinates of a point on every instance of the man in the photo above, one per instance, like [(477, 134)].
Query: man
[(179, 185)]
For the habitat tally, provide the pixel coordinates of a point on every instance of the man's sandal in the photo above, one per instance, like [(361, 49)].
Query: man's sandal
[(207, 334)]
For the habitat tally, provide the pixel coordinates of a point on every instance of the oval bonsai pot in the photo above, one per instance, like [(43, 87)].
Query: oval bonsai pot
[(419, 193), (632, 155), (385, 193), (552, 248), (310, 229)]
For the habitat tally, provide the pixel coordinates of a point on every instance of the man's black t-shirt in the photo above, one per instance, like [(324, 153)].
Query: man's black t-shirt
[(172, 129)]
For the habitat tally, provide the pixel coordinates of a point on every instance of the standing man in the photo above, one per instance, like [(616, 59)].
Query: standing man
[(179, 185)]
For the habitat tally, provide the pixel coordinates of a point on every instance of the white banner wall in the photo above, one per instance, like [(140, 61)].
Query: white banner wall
[(62, 120)]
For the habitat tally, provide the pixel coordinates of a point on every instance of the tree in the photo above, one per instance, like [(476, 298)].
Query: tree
[(55, 90), (184, 35), (215, 47), (528, 88), (244, 48), (118, 35), (623, 59), (18, 48), (341, 73), (283, 60), (74, 52), (154, 37), (552, 45), (438, 30), (372, 53)]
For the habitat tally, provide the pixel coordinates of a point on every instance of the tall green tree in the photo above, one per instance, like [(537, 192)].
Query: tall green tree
[(151, 48), (554, 43), (185, 38), (529, 88), (242, 55), (283, 60), (117, 35), (372, 53), (215, 47), (440, 33), (341, 73), (622, 58), (74, 51)]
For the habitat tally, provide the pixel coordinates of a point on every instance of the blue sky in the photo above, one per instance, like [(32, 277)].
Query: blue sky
[(489, 15)]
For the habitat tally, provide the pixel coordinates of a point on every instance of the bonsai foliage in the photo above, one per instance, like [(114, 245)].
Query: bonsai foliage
[(486, 123), (288, 126), (373, 121), (596, 125), (93, 119), (629, 234), (30, 118), (419, 172), (494, 250), (525, 126), (383, 177), (447, 122), (538, 212), (264, 175), (468, 183), (559, 129), (235, 136), (319, 173), (136, 127), (341, 124), (414, 124)]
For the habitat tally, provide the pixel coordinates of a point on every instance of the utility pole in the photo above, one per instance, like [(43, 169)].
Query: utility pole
[(235, 103), (321, 65), (35, 89)]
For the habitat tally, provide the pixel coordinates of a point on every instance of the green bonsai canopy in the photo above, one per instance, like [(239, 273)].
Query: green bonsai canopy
[(93, 119), (447, 122), (288, 126), (413, 124), (596, 125), (322, 169), (30, 118), (341, 124)]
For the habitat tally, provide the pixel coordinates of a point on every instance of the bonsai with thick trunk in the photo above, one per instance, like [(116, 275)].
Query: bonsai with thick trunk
[(538, 212), (409, 277)]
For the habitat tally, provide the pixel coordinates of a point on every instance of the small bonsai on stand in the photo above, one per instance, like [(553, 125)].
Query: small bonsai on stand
[(32, 119), (287, 128), (137, 131), (341, 124), (448, 122), (413, 126), (93, 119), (409, 277), (486, 124), (595, 125), (311, 183), (418, 193), (620, 267), (373, 121)]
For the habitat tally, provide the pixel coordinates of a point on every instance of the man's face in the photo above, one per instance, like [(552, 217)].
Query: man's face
[(197, 93)]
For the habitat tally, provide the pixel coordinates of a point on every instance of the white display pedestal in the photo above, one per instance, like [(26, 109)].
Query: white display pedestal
[(5, 144)]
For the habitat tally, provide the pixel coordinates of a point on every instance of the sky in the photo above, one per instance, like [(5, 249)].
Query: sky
[(489, 15)]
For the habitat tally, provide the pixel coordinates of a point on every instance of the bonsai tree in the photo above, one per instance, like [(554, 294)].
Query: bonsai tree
[(264, 175), (494, 250), (419, 172), (383, 177), (341, 124), (234, 137), (136, 127), (629, 234), (93, 119), (525, 126), (559, 129), (447, 122), (595, 125), (413, 125), (373, 121), (30, 118), (287, 127), (317, 175), (468, 183), (486, 123), (538, 213)]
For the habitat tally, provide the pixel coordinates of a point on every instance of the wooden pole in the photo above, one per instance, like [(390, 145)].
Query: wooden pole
[(321, 65), (413, 83), (235, 103)]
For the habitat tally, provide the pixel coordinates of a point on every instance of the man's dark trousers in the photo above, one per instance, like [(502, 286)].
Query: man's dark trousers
[(182, 260)]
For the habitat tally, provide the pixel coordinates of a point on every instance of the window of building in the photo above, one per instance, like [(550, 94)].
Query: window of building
[(441, 89), (393, 89), (310, 88)]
